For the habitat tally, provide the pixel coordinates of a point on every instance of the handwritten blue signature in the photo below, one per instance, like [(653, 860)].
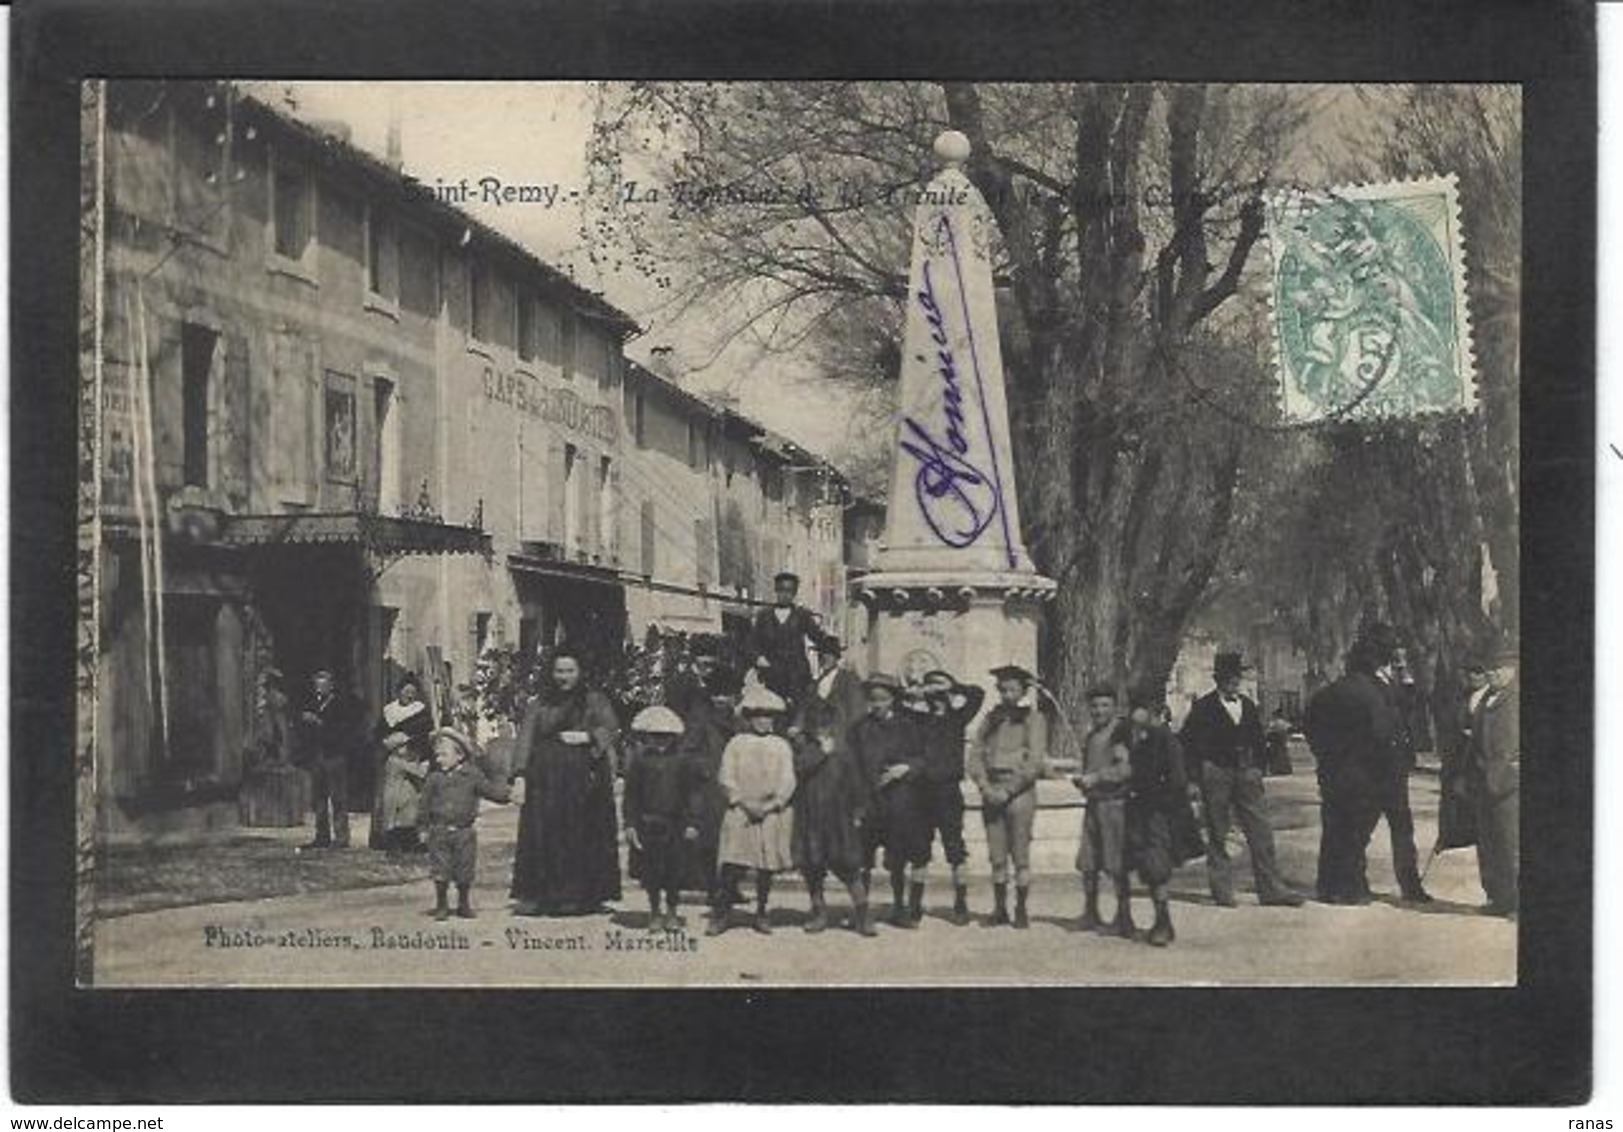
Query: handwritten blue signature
[(957, 497)]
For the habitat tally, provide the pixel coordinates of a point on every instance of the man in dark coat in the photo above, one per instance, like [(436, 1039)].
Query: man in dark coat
[(1496, 756), (1350, 725), (1223, 738), (711, 721), (329, 736), (779, 640), (832, 793), (1456, 806), (944, 710), (1400, 690), (689, 684)]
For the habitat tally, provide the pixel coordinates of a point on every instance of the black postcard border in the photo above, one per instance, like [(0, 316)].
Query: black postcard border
[(1528, 1045)]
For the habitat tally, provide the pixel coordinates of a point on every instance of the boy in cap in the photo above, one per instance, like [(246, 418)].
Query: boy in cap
[(779, 641), (1156, 800), (1008, 757), (945, 710), (446, 813), (889, 747), (655, 808), (1106, 769)]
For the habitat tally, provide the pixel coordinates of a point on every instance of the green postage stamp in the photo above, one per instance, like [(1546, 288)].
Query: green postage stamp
[(1369, 302)]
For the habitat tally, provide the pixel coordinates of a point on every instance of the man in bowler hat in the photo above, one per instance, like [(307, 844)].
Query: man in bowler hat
[(1224, 741)]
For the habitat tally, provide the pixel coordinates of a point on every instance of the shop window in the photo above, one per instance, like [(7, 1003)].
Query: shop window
[(197, 362)]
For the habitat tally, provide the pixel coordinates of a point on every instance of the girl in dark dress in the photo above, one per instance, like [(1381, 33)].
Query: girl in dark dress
[(568, 856), (657, 795)]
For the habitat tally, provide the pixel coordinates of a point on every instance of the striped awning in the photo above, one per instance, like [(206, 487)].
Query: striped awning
[(384, 534)]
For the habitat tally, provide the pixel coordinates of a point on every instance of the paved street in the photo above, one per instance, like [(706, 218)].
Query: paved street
[(383, 936)]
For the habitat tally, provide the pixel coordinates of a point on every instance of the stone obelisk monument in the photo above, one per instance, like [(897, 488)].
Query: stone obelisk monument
[(953, 586)]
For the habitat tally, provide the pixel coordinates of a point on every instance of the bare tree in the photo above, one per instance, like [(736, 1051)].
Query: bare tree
[(1129, 216), (1415, 523)]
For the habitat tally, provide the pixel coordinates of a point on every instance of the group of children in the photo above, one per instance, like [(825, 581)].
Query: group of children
[(866, 771), (859, 771)]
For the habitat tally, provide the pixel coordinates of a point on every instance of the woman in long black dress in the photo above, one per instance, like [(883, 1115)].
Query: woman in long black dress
[(568, 858)]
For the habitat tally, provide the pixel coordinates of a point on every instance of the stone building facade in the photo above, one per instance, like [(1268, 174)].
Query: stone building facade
[(345, 425)]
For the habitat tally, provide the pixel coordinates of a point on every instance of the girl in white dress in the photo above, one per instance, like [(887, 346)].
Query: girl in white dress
[(758, 775)]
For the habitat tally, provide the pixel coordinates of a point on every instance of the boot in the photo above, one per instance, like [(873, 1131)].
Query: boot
[(1000, 905), (862, 919), (719, 914), (915, 902), (1090, 906), (1124, 911), (464, 910), (960, 905), (819, 910), (1161, 932), (442, 910), (1021, 920), (763, 889), (898, 901)]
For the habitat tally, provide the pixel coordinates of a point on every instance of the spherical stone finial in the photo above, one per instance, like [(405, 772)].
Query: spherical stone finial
[(952, 147)]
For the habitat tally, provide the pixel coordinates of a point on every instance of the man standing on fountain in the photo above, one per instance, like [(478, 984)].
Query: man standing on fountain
[(779, 641)]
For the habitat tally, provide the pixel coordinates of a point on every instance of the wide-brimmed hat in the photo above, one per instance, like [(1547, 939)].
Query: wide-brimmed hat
[(882, 680), (1228, 664), (657, 719), (1013, 672), (761, 700), (469, 750)]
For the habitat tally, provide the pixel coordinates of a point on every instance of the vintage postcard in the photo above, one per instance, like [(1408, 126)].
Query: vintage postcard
[(799, 534)]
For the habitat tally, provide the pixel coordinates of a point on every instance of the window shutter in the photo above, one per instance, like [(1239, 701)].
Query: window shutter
[(650, 533), (293, 419), (231, 451), (616, 514), (557, 485), (165, 393)]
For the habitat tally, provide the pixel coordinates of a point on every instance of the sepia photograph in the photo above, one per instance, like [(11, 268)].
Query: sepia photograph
[(808, 534)]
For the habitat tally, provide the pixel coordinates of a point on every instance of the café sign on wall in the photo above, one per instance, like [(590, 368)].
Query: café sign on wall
[(555, 404)]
